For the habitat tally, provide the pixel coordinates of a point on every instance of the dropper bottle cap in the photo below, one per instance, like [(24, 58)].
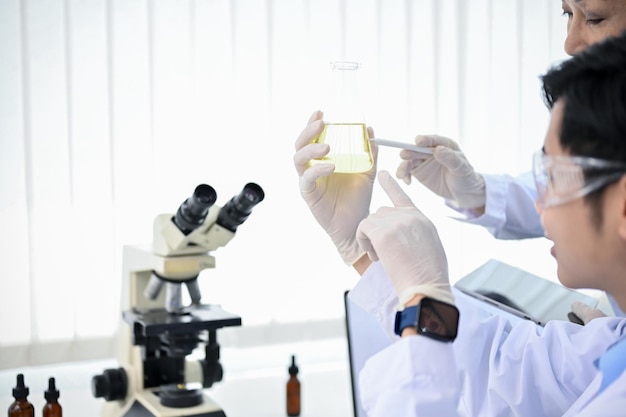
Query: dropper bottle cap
[(52, 393), (21, 391), (293, 369)]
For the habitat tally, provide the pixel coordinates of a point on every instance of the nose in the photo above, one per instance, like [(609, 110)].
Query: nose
[(575, 41)]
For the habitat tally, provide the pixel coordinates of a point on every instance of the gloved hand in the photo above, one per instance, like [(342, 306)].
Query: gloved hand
[(408, 246), (338, 201), (585, 312), (446, 172)]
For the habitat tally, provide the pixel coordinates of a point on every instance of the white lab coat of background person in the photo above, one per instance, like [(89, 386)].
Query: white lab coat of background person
[(492, 368), (510, 212)]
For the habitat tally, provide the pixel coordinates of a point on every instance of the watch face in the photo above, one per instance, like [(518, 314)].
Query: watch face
[(438, 320)]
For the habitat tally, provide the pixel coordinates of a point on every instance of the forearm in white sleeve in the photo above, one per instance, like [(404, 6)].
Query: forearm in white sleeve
[(415, 376), (510, 207), (502, 364), (505, 366), (375, 294)]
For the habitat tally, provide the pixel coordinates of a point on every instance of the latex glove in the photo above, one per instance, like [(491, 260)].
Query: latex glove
[(585, 312), (338, 201), (446, 172), (408, 246)]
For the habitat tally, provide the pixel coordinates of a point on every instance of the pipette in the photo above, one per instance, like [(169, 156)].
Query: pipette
[(402, 145)]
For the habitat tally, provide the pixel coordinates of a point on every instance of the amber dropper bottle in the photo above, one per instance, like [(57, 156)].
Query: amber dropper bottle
[(293, 390), (52, 407), (21, 407)]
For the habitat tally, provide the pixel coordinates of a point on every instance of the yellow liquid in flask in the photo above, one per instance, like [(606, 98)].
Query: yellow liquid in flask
[(349, 147)]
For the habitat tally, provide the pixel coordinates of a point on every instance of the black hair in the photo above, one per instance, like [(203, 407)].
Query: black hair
[(592, 86)]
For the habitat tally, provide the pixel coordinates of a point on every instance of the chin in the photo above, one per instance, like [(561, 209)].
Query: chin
[(564, 277), (569, 280)]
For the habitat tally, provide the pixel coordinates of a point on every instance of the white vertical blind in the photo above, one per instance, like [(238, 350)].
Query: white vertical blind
[(112, 111)]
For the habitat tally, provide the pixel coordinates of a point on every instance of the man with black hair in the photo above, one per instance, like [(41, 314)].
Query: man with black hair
[(493, 367)]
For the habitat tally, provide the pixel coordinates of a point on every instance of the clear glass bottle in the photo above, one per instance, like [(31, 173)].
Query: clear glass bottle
[(345, 130)]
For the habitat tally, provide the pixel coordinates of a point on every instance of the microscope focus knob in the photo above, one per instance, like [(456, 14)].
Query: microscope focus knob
[(112, 384)]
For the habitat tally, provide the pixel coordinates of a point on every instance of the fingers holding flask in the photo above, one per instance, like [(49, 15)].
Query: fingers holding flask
[(312, 130), (306, 149)]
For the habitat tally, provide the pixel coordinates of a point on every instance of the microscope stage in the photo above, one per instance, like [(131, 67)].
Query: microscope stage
[(191, 319)]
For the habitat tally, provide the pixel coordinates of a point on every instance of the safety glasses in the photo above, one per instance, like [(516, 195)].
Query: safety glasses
[(560, 179)]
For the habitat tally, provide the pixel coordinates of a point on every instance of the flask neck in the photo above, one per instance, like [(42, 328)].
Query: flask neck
[(344, 103)]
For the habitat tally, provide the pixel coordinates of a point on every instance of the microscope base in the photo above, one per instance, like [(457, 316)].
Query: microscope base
[(138, 410), (147, 404)]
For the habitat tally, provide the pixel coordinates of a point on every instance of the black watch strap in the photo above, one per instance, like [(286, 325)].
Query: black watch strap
[(431, 318)]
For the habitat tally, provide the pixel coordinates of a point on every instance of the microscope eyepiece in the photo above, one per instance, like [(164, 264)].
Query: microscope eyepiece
[(238, 208), (193, 211)]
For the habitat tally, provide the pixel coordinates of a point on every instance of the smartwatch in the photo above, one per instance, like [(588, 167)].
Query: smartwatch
[(431, 318)]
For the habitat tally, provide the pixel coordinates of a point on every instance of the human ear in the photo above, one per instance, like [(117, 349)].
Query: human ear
[(621, 188)]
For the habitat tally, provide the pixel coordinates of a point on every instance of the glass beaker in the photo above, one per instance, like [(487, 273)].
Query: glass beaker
[(345, 131)]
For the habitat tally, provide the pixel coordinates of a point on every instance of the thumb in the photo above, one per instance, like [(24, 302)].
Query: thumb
[(436, 140), (398, 197), (586, 312)]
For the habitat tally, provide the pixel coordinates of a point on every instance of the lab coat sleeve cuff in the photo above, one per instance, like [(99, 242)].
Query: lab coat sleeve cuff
[(375, 294), (510, 207), (495, 207)]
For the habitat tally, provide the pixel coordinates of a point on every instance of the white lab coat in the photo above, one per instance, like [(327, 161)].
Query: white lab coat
[(510, 207), (497, 366)]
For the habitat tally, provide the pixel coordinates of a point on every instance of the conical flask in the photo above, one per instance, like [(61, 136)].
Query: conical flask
[(345, 130)]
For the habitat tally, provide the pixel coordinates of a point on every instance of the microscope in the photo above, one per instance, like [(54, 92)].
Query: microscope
[(158, 332)]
